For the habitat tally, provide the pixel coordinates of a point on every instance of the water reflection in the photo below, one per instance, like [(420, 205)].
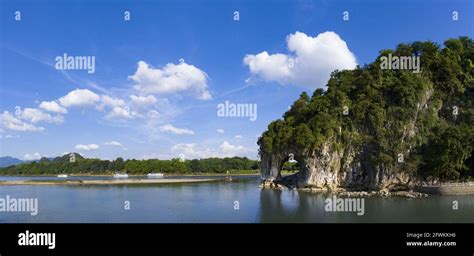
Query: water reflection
[(290, 206), (211, 202), (303, 207)]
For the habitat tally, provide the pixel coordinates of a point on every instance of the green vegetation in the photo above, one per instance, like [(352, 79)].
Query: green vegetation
[(290, 167), (92, 166), (391, 112)]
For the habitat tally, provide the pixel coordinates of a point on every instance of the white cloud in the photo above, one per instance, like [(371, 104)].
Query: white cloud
[(238, 137), (31, 157), (117, 107), (310, 63), (172, 78), (232, 150), (87, 147), (221, 131), (270, 67), (35, 115), (189, 151), (83, 97), (52, 106), (171, 129), (121, 112), (79, 97), (107, 101), (153, 114), (143, 100), (8, 121), (9, 136), (24, 119), (115, 143)]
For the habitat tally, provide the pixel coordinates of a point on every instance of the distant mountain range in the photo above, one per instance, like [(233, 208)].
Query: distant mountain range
[(8, 160)]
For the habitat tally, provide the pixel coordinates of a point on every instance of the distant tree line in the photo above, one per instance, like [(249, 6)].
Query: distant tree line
[(81, 165)]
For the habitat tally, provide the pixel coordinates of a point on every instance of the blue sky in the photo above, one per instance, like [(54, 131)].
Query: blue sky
[(194, 56)]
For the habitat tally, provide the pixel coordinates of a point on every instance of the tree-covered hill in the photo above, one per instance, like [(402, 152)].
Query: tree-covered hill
[(373, 125)]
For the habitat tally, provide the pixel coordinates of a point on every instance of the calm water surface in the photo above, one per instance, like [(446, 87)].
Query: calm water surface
[(216, 202)]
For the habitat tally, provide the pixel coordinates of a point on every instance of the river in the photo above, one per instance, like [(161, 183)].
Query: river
[(239, 201)]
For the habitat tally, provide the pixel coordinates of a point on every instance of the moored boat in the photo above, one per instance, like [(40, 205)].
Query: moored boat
[(121, 176), (228, 178), (155, 175)]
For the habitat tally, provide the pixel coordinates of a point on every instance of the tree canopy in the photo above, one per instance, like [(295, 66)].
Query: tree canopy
[(132, 166)]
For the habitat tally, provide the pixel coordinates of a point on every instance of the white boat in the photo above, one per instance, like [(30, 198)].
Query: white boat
[(62, 176), (155, 175), (121, 176)]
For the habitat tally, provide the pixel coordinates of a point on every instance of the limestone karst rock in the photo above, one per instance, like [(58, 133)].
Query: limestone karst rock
[(375, 129)]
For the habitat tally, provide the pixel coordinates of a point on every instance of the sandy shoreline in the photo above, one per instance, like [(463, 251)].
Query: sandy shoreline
[(103, 182)]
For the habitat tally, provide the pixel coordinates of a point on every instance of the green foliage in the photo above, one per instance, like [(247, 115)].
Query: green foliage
[(96, 166), (448, 150)]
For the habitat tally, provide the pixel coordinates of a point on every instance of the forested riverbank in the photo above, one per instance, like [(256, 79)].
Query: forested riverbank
[(94, 166)]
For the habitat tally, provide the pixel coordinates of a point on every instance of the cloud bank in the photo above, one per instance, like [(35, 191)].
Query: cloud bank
[(172, 78), (308, 64)]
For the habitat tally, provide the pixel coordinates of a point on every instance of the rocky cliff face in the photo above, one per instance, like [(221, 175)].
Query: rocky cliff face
[(327, 168), (348, 166)]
